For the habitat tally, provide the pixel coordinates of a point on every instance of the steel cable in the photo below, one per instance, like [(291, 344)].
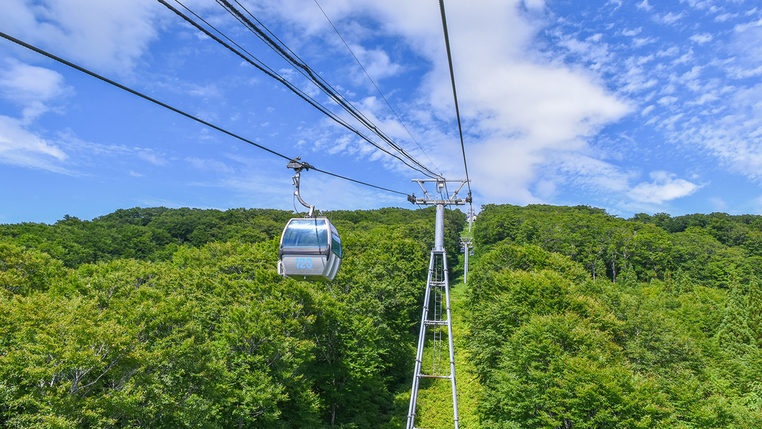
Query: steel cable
[(187, 115)]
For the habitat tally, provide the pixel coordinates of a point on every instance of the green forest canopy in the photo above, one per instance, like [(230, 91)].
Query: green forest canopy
[(156, 317)]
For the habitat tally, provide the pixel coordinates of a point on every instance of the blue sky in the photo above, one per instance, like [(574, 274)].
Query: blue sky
[(631, 106)]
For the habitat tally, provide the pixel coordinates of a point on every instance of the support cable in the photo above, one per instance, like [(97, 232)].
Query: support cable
[(269, 38), (259, 65), (287, 54), (357, 181), (454, 91), (251, 59), (376, 86), (187, 115)]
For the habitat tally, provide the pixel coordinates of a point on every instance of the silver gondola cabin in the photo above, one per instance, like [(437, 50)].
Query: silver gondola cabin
[(310, 249)]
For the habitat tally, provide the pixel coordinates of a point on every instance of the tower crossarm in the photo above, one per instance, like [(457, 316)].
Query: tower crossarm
[(440, 185)]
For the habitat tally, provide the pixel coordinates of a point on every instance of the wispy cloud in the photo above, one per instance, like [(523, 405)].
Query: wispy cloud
[(644, 5), (110, 36), (642, 41), (209, 165), (669, 18), (663, 187), (30, 87), (152, 156), (702, 38), (725, 17), (376, 63), (735, 136), (633, 32), (20, 147)]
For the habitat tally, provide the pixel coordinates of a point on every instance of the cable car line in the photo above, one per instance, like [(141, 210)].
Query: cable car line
[(359, 182), (259, 65), (376, 86), (132, 91), (187, 115), (287, 54), (312, 167), (251, 59), (269, 38), (454, 91)]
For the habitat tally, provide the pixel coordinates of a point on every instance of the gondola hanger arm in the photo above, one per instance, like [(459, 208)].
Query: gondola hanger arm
[(298, 166)]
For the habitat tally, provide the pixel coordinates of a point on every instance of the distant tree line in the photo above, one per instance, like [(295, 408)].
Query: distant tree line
[(154, 234), (705, 247)]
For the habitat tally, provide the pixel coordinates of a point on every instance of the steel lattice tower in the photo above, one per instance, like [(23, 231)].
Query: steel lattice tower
[(436, 313)]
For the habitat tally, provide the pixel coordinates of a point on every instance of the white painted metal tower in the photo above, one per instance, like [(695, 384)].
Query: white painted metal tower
[(437, 294)]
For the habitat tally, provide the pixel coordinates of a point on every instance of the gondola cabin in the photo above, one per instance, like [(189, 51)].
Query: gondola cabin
[(310, 249)]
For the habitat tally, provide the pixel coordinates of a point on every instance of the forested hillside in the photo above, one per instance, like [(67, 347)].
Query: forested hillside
[(574, 319), (177, 318), (584, 320)]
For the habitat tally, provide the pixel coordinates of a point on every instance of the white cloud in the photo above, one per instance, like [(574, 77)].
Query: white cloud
[(595, 174), (376, 63), (635, 79), (84, 149), (702, 38), (669, 18), (527, 108), (725, 17), (746, 47), (20, 147), (644, 5), (669, 52), (203, 91), (747, 25), (664, 187), (151, 156), (526, 112), (698, 4), (590, 49), (642, 41), (630, 33), (209, 165), (107, 35), (30, 87), (518, 108), (534, 4), (734, 137)]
